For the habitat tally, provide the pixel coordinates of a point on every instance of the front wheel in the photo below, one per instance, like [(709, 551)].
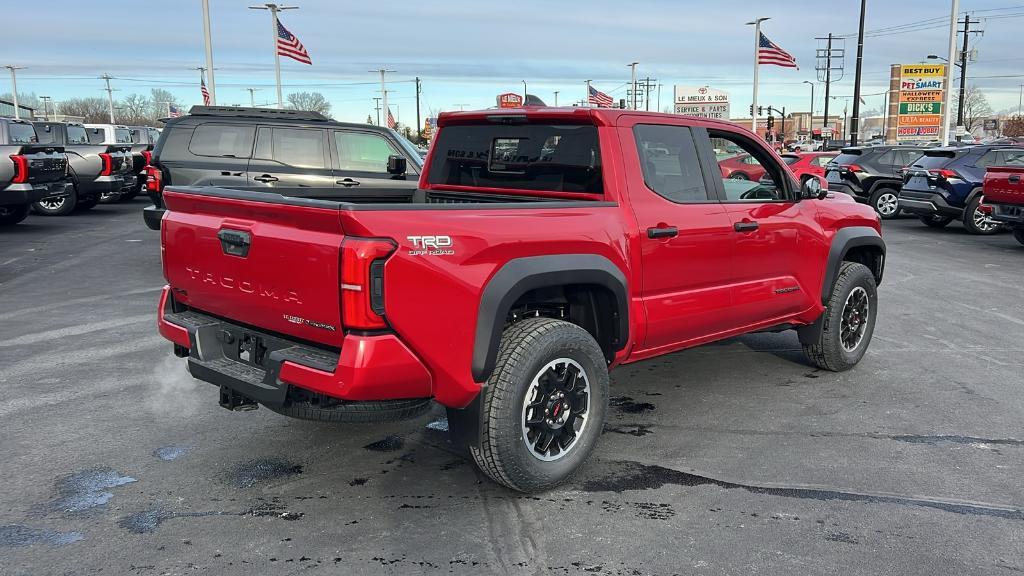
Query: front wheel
[(848, 322), (886, 202), (738, 176), (935, 221), (11, 215), (977, 220), (543, 406)]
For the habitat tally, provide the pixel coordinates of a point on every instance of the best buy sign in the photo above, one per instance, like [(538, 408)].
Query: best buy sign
[(920, 108)]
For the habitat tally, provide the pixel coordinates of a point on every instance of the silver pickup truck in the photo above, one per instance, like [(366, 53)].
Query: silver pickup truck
[(32, 171), (95, 170)]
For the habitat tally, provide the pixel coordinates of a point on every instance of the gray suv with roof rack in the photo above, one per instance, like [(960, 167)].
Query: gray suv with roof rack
[(261, 148)]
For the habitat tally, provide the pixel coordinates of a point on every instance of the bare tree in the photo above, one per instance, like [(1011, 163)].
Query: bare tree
[(976, 108), (94, 110), (1014, 127), (312, 101), (27, 99), (135, 110), (159, 99)]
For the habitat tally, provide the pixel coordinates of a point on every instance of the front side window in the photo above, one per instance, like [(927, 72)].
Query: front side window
[(749, 177), (362, 152), (299, 147), (222, 140), (668, 159)]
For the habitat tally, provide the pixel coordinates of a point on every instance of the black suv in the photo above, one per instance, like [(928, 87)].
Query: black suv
[(872, 175), (259, 148)]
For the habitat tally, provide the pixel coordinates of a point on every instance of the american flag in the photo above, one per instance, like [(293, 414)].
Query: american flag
[(769, 53), (600, 98), (288, 45), (206, 93), (173, 111), (391, 120)]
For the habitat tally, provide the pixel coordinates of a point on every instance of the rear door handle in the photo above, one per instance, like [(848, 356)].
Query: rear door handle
[(266, 178), (347, 182), (665, 232), (226, 173), (745, 226), (1014, 179)]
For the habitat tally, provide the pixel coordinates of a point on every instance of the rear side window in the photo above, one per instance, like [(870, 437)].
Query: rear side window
[(845, 159), (933, 160), (790, 159), (548, 157), (222, 140), (668, 158), (22, 133), (299, 148), (887, 158), (907, 157)]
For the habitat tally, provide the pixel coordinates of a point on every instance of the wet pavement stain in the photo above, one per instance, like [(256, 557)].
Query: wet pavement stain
[(935, 440), (84, 490), (630, 406), (168, 453), (637, 430), (16, 535), (253, 472), (637, 476), (841, 537), (439, 425), (148, 521), (389, 444), (358, 481)]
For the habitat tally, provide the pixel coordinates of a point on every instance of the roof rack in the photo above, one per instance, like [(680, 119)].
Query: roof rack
[(257, 113)]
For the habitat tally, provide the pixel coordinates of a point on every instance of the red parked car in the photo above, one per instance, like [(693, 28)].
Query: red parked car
[(542, 248), (741, 167), (1004, 194), (808, 164)]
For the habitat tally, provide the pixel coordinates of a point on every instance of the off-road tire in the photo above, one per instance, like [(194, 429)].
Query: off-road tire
[(87, 204), (1018, 235), (888, 209), (828, 353), (969, 223), (356, 412), (935, 221), (66, 207), (526, 347), (11, 215)]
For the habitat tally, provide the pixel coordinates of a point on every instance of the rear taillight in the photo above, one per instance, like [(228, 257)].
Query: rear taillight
[(147, 156), (854, 168), (107, 163), (943, 173), (20, 169), (362, 282), (154, 179)]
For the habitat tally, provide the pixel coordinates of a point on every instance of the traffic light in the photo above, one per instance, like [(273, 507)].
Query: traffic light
[(771, 122), (760, 110), (751, 109)]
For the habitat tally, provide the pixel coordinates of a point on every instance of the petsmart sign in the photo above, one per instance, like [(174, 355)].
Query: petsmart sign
[(922, 87)]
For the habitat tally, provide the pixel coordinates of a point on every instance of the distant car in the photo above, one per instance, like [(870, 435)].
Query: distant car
[(946, 184), (93, 169), (871, 174), (741, 167), (807, 164), (29, 171), (804, 146)]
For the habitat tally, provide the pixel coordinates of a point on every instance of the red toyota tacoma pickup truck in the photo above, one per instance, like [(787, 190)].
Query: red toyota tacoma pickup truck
[(1004, 193), (543, 247)]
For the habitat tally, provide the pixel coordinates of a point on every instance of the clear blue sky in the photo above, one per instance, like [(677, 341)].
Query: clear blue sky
[(467, 52)]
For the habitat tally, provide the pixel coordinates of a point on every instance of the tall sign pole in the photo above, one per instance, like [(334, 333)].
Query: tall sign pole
[(757, 48), (855, 120), (946, 112), (211, 86)]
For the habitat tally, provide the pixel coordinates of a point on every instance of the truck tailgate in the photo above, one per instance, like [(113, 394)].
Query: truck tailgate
[(274, 266)]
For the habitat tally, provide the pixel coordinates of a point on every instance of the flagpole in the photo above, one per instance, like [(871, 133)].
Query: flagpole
[(586, 98), (277, 57), (209, 52), (757, 48)]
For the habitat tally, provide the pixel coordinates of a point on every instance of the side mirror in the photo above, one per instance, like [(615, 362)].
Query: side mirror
[(811, 190), (396, 164)]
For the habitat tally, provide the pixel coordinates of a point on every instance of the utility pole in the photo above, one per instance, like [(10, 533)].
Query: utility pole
[(14, 87), (110, 95), (756, 23), (659, 98), (376, 106), (963, 78), (586, 97), (383, 92), (274, 9), (419, 123), (556, 98), (46, 106), (946, 112), (647, 93), (1020, 101), (828, 82), (632, 81), (252, 96), (211, 85), (855, 120)]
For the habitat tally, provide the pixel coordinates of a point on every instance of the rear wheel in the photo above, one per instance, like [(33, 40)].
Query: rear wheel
[(848, 322), (979, 221), (543, 406), (935, 221), (885, 201), (57, 206), (739, 176), (11, 215)]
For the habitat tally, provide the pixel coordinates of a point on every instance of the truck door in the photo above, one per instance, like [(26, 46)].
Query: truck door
[(290, 158), (361, 161), (684, 233), (770, 231)]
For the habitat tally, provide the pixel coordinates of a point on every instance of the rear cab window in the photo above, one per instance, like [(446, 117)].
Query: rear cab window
[(77, 135), (22, 133), (122, 136), (534, 157), (222, 140)]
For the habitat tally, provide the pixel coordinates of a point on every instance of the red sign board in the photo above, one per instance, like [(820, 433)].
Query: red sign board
[(510, 100)]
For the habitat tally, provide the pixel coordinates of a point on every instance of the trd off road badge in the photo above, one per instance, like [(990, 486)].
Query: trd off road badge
[(431, 245)]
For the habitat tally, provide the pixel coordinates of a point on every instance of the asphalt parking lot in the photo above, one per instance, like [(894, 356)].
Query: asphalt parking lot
[(735, 458)]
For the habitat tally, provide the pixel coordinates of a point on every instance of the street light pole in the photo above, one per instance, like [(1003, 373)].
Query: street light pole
[(211, 86), (274, 9), (383, 92), (252, 96), (556, 98), (855, 120), (756, 23), (946, 112), (810, 119), (632, 83), (14, 86), (963, 79), (110, 95)]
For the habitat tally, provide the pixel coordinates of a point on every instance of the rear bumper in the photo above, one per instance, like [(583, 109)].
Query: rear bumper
[(152, 216), (103, 185), (368, 367), (1008, 213), (18, 194), (927, 204)]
